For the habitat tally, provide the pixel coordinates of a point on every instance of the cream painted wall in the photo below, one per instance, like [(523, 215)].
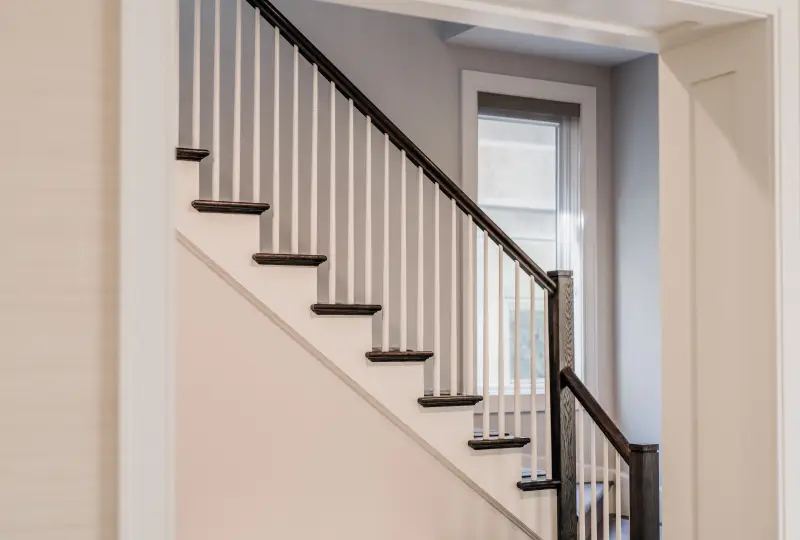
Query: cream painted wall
[(271, 444), (58, 277)]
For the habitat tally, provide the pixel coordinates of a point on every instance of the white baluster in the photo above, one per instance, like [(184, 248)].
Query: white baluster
[(548, 458), (332, 224), (368, 216), (581, 476), (385, 295), (606, 493), (276, 146), (296, 152), (257, 109), (486, 362), (469, 320), (403, 255), (534, 414), (593, 465), (517, 390), (196, 77), (314, 160), (437, 307), (351, 227), (215, 148), (420, 256), (501, 378), (237, 108), (618, 495), (453, 300)]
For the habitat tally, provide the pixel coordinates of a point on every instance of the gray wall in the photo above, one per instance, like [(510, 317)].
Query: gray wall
[(638, 320), (405, 68)]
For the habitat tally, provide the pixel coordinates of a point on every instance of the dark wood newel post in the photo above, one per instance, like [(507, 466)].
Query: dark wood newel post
[(562, 403), (645, 516)]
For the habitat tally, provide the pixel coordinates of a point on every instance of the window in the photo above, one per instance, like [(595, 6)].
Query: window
[(528, 182)]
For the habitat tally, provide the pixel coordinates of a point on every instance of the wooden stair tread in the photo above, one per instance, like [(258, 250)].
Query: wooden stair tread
[(377, 355), (230, 207), (449, 401), (288, 259), (498, 443), (346, 309), (191, 154), (538, 485)]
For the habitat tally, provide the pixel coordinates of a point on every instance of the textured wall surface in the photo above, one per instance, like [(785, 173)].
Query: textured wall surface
[(58, 279)]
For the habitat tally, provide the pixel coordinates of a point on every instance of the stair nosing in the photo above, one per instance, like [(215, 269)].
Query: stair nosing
[(449, 401), (288, 259), (196, 155), (346, 309), (494, 444), (229, 207), (538, 485), (398, 356)]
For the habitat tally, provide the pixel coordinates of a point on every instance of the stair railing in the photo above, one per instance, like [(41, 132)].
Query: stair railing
[(636, 490), (303, 131), (294, 149)]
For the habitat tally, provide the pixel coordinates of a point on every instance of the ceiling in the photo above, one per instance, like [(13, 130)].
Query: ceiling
[(654, 16), (604, 32), (562, 49)]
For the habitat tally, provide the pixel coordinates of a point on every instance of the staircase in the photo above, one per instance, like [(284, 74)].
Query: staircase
[(316, 224)]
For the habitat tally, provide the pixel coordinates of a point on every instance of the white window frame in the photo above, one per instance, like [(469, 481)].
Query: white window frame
[(474, 82)]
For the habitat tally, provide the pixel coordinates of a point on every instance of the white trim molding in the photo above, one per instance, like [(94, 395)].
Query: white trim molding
[(473, 82), (149, 134), (786, 73), (784, 16)]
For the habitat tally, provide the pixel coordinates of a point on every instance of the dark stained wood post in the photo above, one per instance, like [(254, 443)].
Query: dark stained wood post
[(562, 403), (645, 516)]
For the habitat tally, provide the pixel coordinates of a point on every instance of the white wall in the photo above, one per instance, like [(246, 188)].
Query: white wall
[(717, 196), (404, 67), (637, 261), (58, 278), (271, 444)]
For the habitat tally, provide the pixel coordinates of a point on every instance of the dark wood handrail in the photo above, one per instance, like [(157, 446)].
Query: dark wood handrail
[(570, 379), (294, 36)]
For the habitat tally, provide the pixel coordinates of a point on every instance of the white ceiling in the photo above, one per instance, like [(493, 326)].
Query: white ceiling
[(503, 40), (605, 32), (652, 15)]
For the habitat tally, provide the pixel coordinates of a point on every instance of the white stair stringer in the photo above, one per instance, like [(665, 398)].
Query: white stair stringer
[(230, 240)]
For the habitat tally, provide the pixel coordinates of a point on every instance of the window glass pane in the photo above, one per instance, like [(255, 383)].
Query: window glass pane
[(525, 340), (517, 188), (514, 156)]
